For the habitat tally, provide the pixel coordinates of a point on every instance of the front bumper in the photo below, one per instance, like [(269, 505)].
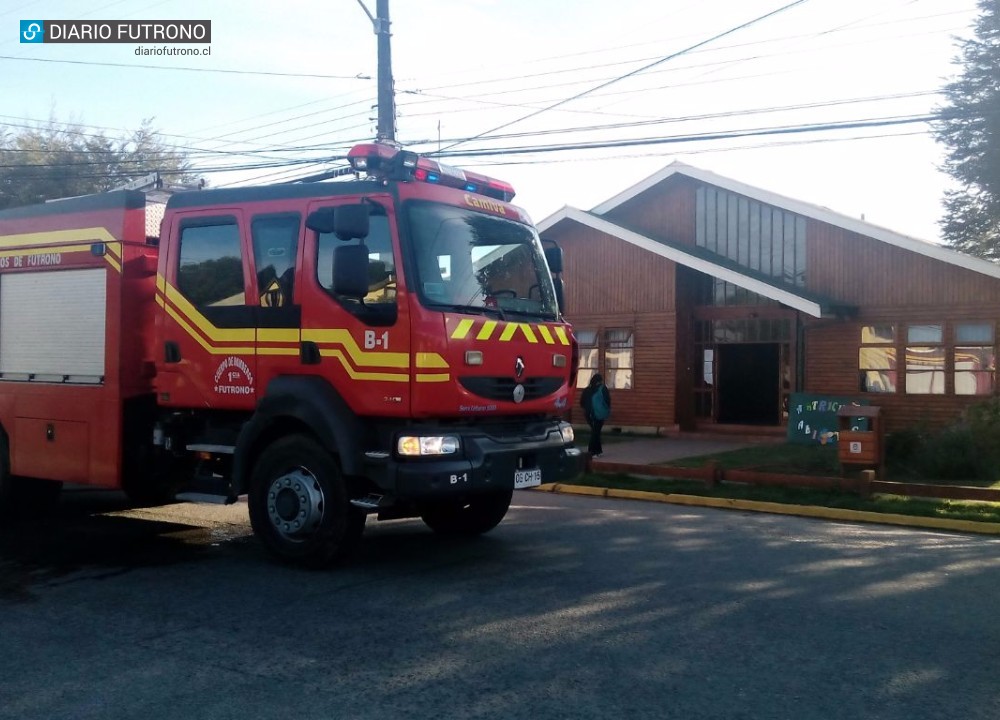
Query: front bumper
[(486, 463)]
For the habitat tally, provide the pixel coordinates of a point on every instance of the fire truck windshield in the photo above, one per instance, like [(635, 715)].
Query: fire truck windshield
[(468, 260)]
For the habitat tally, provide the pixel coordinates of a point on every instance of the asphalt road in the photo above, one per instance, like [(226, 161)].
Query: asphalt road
[(573, 608)]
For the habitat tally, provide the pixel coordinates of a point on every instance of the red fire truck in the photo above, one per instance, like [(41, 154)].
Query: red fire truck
[(389, 345)]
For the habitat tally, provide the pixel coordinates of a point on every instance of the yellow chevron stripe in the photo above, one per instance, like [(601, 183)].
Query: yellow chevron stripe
[(432, 378), (561, 332), (277, 350), (228, 350), (278, 335), (543, 330), (95, 234), (161, 283), (360, 375), (512, 328), (115, 248), (430, 360), (486, 330), (462, 330), (113, 263), (213, 333), (358, 356)]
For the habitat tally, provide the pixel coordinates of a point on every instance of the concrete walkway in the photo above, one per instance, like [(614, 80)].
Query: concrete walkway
[(653, 451)]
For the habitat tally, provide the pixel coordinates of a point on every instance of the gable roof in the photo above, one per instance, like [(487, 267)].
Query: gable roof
[(816, 212), (711, 264)]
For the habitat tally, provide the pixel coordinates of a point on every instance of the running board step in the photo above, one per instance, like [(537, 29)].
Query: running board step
[(210, 448), (369, 502), (197, 497)]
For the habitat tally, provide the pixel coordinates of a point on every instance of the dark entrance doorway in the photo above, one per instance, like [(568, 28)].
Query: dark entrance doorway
[(748, 383)]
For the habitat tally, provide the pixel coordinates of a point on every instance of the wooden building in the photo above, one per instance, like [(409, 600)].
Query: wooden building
[(706, 302)]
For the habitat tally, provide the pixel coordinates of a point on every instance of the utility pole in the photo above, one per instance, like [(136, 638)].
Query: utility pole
[(386, 100)]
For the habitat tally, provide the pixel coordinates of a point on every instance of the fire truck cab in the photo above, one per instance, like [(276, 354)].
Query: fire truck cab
[(391, 345)]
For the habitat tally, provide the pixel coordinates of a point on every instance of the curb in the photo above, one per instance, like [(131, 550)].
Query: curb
[(968, 526)]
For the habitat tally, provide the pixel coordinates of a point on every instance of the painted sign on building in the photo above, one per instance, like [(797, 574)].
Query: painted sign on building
[(813, 418)]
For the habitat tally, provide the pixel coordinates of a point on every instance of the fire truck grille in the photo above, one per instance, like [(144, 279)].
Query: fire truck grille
[(502, 388)]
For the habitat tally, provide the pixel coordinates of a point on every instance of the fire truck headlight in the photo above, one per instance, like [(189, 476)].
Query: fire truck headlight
[(567, 433), (412, 446)]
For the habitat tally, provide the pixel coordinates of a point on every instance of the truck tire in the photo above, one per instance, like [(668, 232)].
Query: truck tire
[(475, 515), (299, 506)]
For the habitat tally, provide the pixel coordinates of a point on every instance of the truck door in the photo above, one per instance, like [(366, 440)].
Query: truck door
[(276, 260), (361, 346), (208, 329)]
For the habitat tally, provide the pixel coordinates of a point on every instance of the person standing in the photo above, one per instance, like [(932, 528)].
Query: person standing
[(596, 403)]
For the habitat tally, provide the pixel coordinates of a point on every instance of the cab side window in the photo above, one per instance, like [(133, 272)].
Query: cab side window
[(275, 246), (381, 264), (210, 269)]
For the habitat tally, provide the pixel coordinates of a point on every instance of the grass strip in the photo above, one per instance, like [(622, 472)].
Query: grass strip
[(914, 507)]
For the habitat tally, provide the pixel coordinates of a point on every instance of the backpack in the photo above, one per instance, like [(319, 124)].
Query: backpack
[(598, 405)]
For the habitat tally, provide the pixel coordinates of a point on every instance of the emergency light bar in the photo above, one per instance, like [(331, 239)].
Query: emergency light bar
[(385, 161)]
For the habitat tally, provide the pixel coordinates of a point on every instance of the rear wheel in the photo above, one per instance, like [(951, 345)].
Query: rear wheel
[(474, 515), (299, 505)]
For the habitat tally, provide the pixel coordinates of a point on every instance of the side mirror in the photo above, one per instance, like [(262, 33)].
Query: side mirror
[(347, 221), (351, 221), (554, 257), (350, 270), (322, 220)]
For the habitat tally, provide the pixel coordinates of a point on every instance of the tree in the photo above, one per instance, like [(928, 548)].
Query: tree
[(55, 160), (970, 127)]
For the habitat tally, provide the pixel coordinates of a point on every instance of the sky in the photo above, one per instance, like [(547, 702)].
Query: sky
[(533, 75)]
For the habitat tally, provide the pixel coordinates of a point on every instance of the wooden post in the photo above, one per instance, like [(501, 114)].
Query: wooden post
[(713, 474), (865, 486)]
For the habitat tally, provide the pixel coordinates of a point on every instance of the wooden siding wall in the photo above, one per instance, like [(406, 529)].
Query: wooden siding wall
[(831, 365), (605, 275), (612, 284), (872, 274), (666, 211), (650, 401)]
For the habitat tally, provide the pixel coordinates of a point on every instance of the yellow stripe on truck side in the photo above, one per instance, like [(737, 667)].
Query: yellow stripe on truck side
[(462, 330)]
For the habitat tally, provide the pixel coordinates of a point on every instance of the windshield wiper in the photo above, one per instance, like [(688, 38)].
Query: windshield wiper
[(478, 309)]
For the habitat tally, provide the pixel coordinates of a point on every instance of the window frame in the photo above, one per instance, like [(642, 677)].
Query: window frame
[(912, 349), (609, 346), (864, 370), (588, 371), (957, 344)]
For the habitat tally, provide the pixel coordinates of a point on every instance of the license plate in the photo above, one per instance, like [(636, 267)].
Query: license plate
[(527, 478)]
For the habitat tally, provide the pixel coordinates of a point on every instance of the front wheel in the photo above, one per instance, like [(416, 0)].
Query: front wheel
[(475, 515), (299, 506)]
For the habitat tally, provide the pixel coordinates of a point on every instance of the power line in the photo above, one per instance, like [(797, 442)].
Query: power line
[(780, 130), (664, 59), (359, 76)]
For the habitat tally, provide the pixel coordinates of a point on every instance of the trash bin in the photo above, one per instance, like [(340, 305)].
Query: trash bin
[(860, 438)]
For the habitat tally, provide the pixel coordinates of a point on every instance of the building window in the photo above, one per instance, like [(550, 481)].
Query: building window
[(618, 358), (589, 356), (924, 360), (974, 358), (753, 235), (877, 359)]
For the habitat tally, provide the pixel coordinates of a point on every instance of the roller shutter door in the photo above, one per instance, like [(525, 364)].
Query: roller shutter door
[(52, 324)]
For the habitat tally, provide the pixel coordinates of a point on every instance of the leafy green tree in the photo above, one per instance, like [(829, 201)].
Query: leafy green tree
[(970, 128), (55, 160)]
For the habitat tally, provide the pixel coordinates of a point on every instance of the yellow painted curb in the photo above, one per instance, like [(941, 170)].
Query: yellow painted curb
[(970, 526)]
